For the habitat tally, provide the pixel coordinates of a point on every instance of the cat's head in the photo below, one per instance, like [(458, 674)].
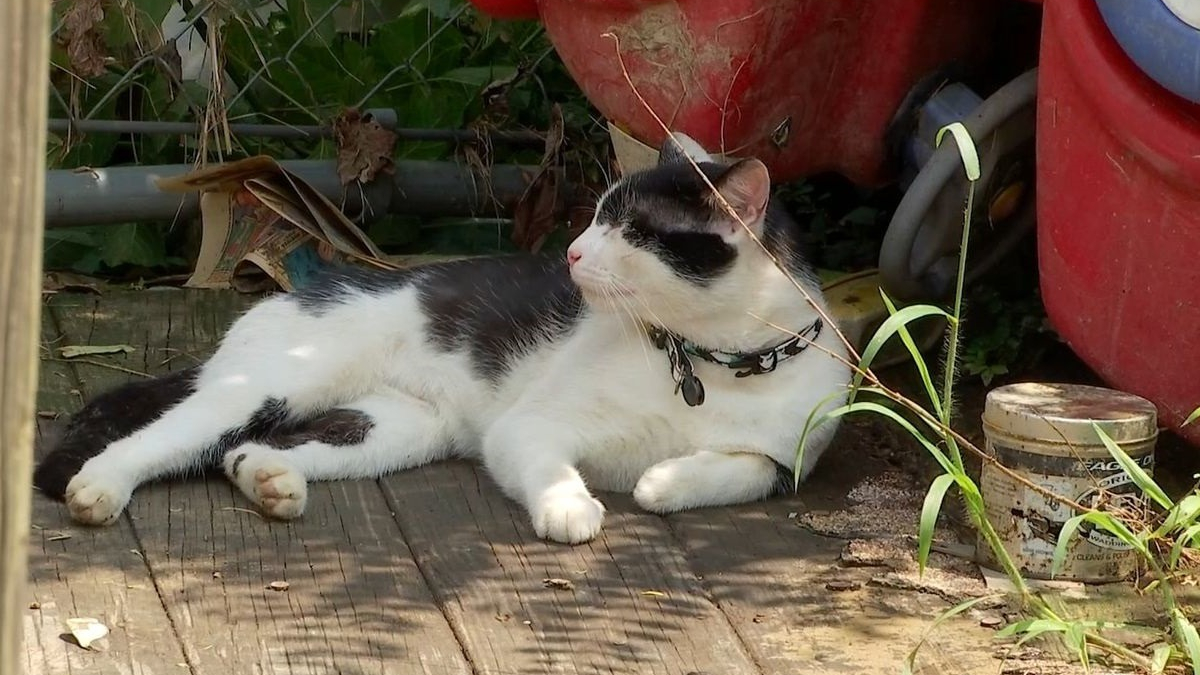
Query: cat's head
[(663, 247)]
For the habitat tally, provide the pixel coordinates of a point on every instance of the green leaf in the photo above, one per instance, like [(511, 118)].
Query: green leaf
[(1032, 628), (910, 661), (1192, 418), (1182, 541), (929, 515), (869, 406), (133, 244), (1076, 638), (891, 326), (966, 148), (479, 76), (1185, 634), (1140, 478), (1183, 514), (1069, 529), (917, 357), (810, 424), (1158, 663)]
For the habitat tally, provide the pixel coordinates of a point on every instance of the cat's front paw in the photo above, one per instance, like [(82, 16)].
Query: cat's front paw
[(568, 518), (659, 488), (269, 480), (97, 496)]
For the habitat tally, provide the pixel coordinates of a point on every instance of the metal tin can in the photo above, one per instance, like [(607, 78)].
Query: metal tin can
[(1044, 433)]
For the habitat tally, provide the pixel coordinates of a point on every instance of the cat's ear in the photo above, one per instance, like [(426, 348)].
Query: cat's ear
[(678, 147), (746, 186)]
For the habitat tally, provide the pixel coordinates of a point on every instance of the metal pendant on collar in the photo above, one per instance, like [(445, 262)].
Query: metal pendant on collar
[(687, 384)]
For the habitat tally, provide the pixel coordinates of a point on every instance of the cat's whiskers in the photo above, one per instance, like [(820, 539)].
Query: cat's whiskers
[(624, 293)]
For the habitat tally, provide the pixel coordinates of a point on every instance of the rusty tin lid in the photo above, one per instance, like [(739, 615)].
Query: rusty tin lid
[(1064, 413)]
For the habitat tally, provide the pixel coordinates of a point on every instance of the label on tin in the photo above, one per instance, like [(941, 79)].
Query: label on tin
[(1030, 523)]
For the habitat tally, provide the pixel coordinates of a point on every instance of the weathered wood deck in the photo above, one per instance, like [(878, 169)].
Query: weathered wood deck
[(433, 571)]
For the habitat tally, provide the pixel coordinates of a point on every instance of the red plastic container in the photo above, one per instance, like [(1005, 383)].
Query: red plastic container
[(805, 85), (1119, 213)]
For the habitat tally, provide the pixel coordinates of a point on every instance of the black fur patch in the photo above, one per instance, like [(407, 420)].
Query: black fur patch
[(109, 417), (338, 427), (269, 417), (493, 307), (497, 307), (331, 286), (667, 210)]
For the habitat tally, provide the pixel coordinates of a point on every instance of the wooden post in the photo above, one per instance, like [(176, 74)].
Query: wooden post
[(24, 76)]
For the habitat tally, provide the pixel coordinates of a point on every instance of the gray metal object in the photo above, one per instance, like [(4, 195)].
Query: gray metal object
[(129, 194), (919, 256), (385, 117)]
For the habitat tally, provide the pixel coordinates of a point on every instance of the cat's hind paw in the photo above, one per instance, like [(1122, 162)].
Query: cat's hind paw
[(96, 496), (568, 518), (266, 477), (661, 489)]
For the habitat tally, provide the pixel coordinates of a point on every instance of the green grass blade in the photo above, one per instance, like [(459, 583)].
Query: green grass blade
[(892, 325), (1076, 638), (929, 515), (1069, 529), (1193, 417), (1185, 634), (1032, 628), (1183, 514), (1158, 663), (1182, 541), (1140, 477), (966, 148), (917, 357), (810, 424), (872, 407), (1118, 529), (911, 660)]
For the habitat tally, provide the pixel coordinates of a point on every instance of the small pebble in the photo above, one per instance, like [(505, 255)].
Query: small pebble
[(842, 585), (991, 621), (279, 586), (35, 605)]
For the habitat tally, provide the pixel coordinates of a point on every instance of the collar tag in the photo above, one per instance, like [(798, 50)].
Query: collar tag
[(687, 384)]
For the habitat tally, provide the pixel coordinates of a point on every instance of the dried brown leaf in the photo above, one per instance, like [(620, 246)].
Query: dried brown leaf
[(534, 215), (69, 281), (364, 147), (82, 38), (73, 351)]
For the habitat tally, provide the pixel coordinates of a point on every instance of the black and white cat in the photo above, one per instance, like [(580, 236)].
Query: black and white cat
[(651, 360)]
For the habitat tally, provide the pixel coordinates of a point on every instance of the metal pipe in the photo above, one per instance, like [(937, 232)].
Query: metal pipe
[(62, 126), (128, 193)]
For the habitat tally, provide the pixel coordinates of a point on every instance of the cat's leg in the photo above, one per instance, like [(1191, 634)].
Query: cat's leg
[(707, 478), (179, 440), (532, 459), (374, 436)]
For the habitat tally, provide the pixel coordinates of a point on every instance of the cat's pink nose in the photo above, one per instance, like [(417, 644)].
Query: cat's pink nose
[(573, 256)]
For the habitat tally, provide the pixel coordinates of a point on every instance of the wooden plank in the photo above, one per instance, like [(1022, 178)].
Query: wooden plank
[(635, 606), (355, 602), (87, 572), (24, 52), (769, 577)]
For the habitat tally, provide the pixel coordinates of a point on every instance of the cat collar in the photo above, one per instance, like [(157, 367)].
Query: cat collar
[(688, 385)]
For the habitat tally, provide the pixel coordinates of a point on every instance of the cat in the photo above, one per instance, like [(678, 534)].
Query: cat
[(666, 356)]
